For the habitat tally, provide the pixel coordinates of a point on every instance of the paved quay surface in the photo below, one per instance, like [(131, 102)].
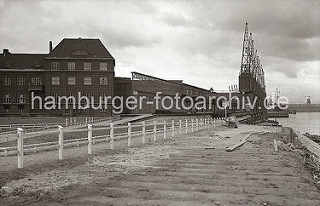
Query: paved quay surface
[(180, 171)]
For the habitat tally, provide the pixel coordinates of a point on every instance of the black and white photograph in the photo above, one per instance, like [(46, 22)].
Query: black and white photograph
[(160, 102)]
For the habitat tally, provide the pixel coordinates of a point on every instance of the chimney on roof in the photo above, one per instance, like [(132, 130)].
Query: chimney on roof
[(6, 52), (50, 46)]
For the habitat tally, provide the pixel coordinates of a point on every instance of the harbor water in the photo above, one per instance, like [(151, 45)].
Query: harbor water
[(303, 122)]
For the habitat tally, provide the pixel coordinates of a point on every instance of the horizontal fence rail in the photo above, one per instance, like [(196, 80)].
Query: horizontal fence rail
[(28, 128)]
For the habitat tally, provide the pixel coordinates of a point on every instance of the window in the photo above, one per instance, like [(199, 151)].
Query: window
[(71, 65), (7, 99), (104, 100), (87, 81), (6, 108), (87, 66), (56, 97), (79, 52), (21, 108), (21, 98), (55, 65), (21, 81), (55, 80), (71, 81), (103, 65), (71, 99), (6, 80), (36, 81), (103, 81)]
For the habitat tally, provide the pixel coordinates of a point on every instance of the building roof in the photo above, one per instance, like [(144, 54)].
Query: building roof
[(80, 48), (137, 75), (22, 61)]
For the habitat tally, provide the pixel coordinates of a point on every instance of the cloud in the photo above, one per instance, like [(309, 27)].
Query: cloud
[(286, 48), (197, 41), (175, 19)]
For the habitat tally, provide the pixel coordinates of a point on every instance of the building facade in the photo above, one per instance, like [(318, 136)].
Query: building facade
[(32, 84)]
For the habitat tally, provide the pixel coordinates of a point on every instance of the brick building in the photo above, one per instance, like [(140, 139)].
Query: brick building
[(73, 66)]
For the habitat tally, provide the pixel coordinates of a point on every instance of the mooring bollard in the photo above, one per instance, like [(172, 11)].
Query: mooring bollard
[(89, 139), (67, 122), (197, 124), (143, 132), (20, 147), (172, 132), (186, 126), (164, 130), (191, 125), (60, 142), (154, 131), (111, 136), (129, 134)]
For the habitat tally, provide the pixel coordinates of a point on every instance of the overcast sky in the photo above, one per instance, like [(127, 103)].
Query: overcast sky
[(199, 42)]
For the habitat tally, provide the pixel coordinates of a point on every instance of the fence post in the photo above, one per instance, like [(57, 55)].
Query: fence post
[(180, 126), (186, 126), (191, 125), (60, 142), (74, 120), (143, 132), (20, 147), (164, 130), (89, 139), (154, 131), (70, 121), (67, 122), (172, 134), (92, 120), (86, 121), (111, 136), (129, 134)]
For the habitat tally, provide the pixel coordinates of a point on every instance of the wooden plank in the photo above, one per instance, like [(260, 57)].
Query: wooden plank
[(239, 144)]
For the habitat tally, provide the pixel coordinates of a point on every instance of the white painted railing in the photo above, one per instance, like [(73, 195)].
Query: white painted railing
[(124, 132)]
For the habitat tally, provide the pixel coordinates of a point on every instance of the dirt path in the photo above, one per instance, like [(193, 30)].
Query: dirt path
[(177, 171)]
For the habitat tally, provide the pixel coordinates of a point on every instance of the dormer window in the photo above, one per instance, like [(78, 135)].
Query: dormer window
[(8, 66), (79, 52)]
